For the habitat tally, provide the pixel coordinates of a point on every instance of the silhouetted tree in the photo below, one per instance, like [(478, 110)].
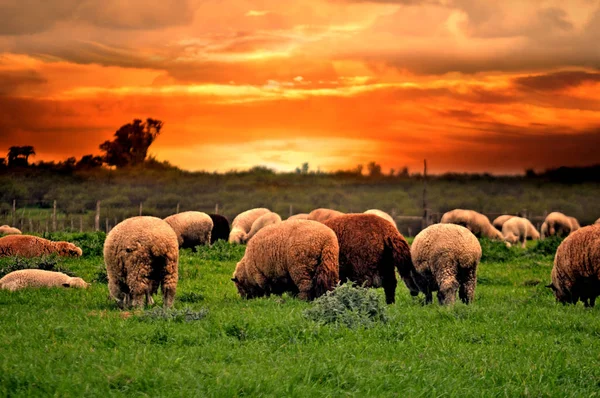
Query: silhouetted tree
[(131, 143), (19, 155), (89, 162), (404, 172), (374, 169), (305, 168), (358, 169)]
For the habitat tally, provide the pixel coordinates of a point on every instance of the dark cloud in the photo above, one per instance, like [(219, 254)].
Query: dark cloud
[(23, 17), (11, 81), (556, 81)]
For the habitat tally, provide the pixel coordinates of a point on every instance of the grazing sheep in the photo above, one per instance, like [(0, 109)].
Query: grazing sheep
[(193, 228), (297, 256), (39, 278), (32, 246), (140, 254), (370, 249), (445, 259), (515, 230), (299, 216), (558, 224), (475, 222), (500, 220), (532, 233), (383, 215), (261, 222), (220, 228), (242, 224), (576, 271), (322, 215), (8, 230)]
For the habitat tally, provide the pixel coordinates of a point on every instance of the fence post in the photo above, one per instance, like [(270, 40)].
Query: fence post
[(54, 216), (425, 212), (291, 210), (81, 223), (106, 224), (30, 224), (141, 208), (177, 211), (72, 227), (217, 208), (97, 218), (14, 211), (115, 222)]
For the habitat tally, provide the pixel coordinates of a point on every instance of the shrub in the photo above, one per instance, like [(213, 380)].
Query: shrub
[(497, 251), (349, 305), (47, 263), (184, 315), (220, 251), (91, 243), (548, 246)]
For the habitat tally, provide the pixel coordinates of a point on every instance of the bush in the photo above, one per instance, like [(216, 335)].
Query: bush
[(184, 315), (220, 251), (91, 243), (349, 305), (47, 263), (497, 251), (548, 246)]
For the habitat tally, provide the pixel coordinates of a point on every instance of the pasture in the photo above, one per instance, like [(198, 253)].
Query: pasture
[(515, 340)]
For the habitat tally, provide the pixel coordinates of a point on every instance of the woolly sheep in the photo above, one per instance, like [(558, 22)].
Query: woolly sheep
[(140, 254), (515, 230), (500, 220), (576, 271), (445, 259), (370, 249), (220, 228), (32, 246), (296, 256), (475, 222), (193, 228), (261, 222), (242, 224), (558, 224), (532, 233), (8, 230), (383, 215), (322, 215), (39, 278), (597, 221), (299, 216)]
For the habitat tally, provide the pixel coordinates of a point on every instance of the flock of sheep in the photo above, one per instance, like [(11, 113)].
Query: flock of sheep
[(309, 254)]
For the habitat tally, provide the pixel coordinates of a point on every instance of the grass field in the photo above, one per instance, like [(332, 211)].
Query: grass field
[(513, 341)]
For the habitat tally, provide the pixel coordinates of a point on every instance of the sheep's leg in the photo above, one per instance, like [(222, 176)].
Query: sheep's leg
[(389, 286), (468, 283), (116, 293), (428, 296)]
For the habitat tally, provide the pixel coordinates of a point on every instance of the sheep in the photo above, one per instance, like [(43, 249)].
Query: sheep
[(370, 249), (576, 271), (32, 246), (475, 222), (500, 220), (299, 216), (140, 254), (296, 256), (515, 230), (383, 215), (261, 222), (558, 224), (322, 215), (220, 228), (193, 228), (242, 224), (532, 233), (597, 221), (39, 278), (445, 259), (8, 230)]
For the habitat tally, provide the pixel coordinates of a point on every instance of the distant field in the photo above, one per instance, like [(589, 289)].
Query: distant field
[(513, 341)]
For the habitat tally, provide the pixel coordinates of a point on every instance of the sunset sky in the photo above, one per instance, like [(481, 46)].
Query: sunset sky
[(471, 85)]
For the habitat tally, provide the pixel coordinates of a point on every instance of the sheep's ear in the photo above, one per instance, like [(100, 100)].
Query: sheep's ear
[(66, 284), (551, 286)]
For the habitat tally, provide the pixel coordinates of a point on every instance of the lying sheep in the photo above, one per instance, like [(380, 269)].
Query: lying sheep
[(322, 215), (39, 278), (8, 230), (261, 222), (193, 228), (370, 249), (558, 224), (242, 224), (299, 216), (383, 215), (220, 228), (32, 246), (515, 230), (576, 271), (445, 259), (297, 256), (140, 254), (475, 222)]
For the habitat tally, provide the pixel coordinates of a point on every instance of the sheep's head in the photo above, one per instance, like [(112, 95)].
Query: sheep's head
[(237, 236), (77, 283), (560, 295), (511, 239), (67, 249), (239, 277)]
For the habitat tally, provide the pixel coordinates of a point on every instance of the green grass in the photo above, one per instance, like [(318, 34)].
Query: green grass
[(513, 341)]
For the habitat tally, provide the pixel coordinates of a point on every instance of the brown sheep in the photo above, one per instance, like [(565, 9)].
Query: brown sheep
[(558, 224), (8, 230), (25, 278), (576, 271), (140, 254), (370, 249), (32, 246), (242, 224), (193, 228), (383, 215), (322, 215), (445, 259), (297, 256), (475, 222), (261, 222)]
